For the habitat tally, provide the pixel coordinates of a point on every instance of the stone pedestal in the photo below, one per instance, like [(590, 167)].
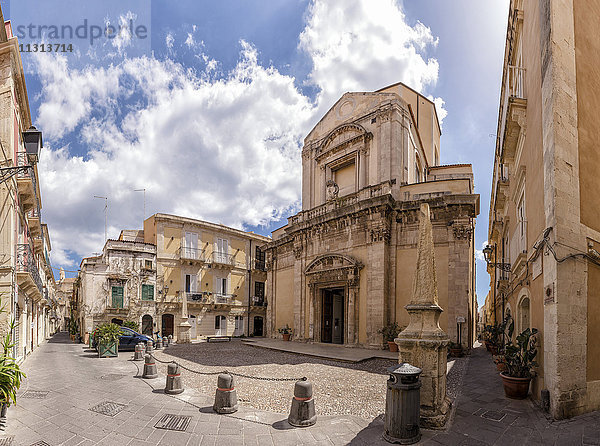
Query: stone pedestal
[(423, 343)]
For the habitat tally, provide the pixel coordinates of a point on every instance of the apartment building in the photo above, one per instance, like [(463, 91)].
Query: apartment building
[(210, 278), (118, 285), (26, 279), (343, 267), (544, 221)]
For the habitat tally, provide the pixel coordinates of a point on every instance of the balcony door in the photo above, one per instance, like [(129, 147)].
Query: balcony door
[(191, 281), (190, 247), (222, 249)]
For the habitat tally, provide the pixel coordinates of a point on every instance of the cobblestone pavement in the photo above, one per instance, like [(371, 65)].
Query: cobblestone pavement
[(66, 380)]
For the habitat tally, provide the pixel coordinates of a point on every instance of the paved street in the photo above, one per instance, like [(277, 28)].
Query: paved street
[(66, 380)]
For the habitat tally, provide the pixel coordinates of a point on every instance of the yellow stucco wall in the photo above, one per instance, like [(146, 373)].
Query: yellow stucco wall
[(284, 309), (172, 241)]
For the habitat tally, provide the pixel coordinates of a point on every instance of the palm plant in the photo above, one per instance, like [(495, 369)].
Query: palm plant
[(108, 333), (10, 373)]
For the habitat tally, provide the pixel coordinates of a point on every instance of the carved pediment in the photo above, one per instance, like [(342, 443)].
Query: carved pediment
[(329, 262), (343, 135)]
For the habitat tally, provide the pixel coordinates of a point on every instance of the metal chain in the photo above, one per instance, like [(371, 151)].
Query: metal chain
[(241, 375)]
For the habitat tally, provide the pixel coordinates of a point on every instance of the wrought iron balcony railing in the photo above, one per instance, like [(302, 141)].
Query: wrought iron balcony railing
[(26, 264), (185, 252), (259, 301), (223, 258)]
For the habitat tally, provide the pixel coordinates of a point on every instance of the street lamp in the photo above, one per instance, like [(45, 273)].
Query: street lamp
[(488, 251), (32, 139)]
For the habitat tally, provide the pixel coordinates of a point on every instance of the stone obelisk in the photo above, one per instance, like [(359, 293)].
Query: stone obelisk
[(183, 335), (423, 343)]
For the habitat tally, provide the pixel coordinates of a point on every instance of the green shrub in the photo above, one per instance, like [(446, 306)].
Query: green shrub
[(133, 325), (108, 333)]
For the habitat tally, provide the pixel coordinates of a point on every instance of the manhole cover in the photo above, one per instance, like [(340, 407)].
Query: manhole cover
[(6, 441), (40, 443), (173, 422), (38, 394), (108, 408), (493, 415), (112, 377)]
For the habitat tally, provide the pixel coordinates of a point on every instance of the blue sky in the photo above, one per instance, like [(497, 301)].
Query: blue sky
[(237, 82)]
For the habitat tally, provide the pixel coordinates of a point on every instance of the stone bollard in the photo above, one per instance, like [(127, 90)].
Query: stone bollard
[(149, 346), (158, 344), (139, 352), (165, 342), (302, 413), (226, 396), (403, 405), (170, 338), (173, 385), (150, 370)]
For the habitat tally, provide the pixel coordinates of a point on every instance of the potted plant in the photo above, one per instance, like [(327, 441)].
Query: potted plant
[(133, 325), (286, 332), (10, 373), (390, 332), (500, 362), (456, 349), (520, 361), (108, 340)]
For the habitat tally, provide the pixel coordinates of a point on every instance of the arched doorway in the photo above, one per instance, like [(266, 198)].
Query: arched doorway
[(147, 325), (168, 321), (117, 321), (258, 326)]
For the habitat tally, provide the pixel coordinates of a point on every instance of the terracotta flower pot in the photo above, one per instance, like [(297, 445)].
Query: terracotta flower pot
[(286, 336), (516, 388), (393, 346)]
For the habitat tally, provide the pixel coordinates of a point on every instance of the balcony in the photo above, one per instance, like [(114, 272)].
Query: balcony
[(259, 265), (198, 297), (28, 276), (224, 299), (34, 220), (502, 186), (220, 259), (192, 254), (26, 182), (513, 112), (518, 247), (259, 301)]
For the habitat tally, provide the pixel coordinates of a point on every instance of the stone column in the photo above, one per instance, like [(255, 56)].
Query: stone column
[(423, 343), (183, 335)]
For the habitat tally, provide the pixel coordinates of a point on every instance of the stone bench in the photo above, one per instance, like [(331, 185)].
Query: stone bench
[(218, 338)]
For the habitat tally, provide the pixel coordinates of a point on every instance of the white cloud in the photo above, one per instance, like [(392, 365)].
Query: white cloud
[(479, 252), (223, 150), (364, 46), (221, 146)]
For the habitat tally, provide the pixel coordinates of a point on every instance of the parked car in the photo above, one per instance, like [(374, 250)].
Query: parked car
[(128, 339)]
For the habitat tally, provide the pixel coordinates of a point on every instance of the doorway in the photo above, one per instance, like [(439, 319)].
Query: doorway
[(167, 325), (332, 324), (258, 326), (220, 326), (147, 325)]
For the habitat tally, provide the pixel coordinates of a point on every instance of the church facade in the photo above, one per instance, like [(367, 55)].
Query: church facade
[(343, 267)]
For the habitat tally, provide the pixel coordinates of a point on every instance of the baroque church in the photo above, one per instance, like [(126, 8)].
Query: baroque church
[(343, 267)]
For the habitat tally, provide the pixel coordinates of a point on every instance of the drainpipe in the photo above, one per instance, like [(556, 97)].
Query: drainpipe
[(249, 286)]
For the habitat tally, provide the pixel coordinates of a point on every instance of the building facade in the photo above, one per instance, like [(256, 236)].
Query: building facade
[(219, 271), (343, 267), (544, 222), (117, 286), (26, 280)]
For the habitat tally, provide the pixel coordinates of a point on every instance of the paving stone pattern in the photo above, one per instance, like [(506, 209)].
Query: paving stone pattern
[(482, 415)]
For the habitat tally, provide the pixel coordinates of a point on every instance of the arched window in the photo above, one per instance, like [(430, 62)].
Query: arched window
[(524, 316)]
